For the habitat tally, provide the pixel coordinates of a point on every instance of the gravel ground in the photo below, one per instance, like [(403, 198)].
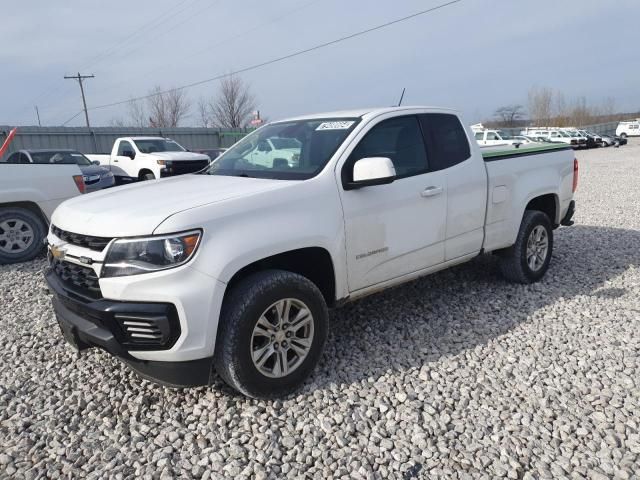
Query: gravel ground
[(458, 375)]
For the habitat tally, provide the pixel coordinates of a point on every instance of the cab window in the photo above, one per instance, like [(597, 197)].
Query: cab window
[(398, 139), (446, 140)]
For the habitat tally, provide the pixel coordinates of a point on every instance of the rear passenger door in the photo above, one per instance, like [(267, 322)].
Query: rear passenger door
[(399, 228), (466, 182)]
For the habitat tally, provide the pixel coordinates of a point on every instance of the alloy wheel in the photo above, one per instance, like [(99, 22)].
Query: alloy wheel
[(282, 338)]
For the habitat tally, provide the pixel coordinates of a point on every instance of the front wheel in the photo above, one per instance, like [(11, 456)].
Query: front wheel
[(527, 260), (273, 327), (21, 235)]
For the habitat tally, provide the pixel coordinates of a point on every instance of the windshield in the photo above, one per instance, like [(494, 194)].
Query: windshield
[(505, 136), (152, 145), (295, 150), (60, 158)]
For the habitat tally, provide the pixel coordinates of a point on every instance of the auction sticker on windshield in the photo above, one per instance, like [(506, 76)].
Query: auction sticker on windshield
[(335, 125)]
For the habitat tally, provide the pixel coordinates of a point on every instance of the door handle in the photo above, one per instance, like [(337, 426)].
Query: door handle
[(115, 159), (431, 191)]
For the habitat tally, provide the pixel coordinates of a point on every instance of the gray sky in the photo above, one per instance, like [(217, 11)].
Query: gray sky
[(474, 56)]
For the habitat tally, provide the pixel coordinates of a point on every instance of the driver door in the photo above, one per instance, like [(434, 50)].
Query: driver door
[(398, 228)]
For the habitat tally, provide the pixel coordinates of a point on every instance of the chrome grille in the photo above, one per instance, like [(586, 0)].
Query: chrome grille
[(87, 241)]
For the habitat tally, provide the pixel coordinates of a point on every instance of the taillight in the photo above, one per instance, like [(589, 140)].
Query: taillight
[(575, 175), (79, 182)]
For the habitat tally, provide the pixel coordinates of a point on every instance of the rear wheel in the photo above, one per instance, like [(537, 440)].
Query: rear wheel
[(527, 260), (623, 135), (273, 327), (21, 234)]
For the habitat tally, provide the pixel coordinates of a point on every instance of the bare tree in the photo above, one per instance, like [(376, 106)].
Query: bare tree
[(233, 105), (137, 114), (167, 109), (509, 114), (540, 105), (117, 122), (562, 113), (204, 113)]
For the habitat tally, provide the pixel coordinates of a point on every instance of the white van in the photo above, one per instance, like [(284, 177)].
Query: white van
[(628, 129)]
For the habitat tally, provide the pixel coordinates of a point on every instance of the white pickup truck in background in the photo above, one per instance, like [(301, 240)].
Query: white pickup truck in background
[(29, 193), (147, 158), (235, 268)]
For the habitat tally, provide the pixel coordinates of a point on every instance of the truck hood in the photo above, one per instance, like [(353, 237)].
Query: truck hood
[(177, 156), (139, 208)]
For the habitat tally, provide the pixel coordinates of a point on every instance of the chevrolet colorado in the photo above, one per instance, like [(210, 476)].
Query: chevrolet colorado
[(233, 269)]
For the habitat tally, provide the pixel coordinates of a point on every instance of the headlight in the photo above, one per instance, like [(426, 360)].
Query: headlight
[(164, 162), (151, 254)]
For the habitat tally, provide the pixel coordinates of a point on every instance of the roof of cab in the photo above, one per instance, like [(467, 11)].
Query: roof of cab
[(364, 112)]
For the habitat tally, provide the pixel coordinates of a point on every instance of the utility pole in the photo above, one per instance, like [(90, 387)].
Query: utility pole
[(80, 78), (38, 114)]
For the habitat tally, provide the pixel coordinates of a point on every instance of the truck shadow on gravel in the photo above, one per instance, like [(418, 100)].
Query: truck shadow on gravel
[(446, 313)]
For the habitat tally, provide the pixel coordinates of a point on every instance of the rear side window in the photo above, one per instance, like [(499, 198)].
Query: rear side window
[(479, 135), (446, 140), (400, 140)]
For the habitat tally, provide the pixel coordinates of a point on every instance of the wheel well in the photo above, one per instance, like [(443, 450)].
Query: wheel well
[(546, 204), (313, 263), (143, 172), (31, 206)]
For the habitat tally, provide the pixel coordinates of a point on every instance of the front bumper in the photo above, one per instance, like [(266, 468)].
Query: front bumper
[(99, 324)]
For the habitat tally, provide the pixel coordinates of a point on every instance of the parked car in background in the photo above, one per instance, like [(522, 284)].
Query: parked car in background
[(212, 153), (488, 137), (29, 192), (619, 141), (554, 136), (628, 129), (581, 139), (95, 176), (274, 150), (596, 138), (607, 140), (234, 268), (146, 158)]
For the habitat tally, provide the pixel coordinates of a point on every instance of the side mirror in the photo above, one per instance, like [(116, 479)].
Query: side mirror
[(129, 153), (372, 171), (96, 162)]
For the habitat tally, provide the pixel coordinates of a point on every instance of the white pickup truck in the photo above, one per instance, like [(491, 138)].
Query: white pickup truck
[(234, 269), (146, 158), (29, 193)]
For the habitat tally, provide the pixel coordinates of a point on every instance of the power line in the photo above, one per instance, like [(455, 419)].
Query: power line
[(284, 57), (226, 39), (108, 51), (80, 79), (72, 118)]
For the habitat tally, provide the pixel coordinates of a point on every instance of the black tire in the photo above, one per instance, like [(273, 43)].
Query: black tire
[(242, 308), (147, 176), (9, 216), (513, 260), (623, 135)]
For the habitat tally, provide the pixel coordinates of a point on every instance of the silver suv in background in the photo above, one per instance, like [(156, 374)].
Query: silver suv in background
[(95, 177)]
